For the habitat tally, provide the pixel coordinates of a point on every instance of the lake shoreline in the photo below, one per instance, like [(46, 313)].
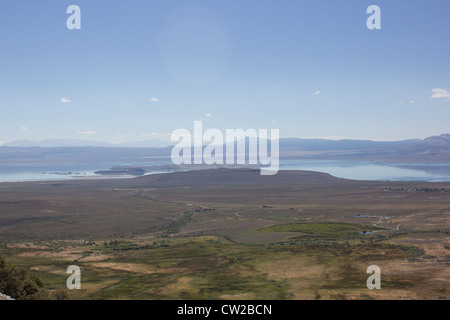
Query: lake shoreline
[(353, 170)]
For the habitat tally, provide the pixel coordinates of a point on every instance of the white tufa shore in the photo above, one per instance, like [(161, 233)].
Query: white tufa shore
[(5, 297)]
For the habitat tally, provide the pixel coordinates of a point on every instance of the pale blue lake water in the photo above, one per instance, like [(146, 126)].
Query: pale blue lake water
[(368, 170), (358, 170)]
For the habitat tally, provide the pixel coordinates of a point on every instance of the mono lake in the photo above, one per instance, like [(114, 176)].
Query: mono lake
[(358, 170), (44, 172), (368, 170)]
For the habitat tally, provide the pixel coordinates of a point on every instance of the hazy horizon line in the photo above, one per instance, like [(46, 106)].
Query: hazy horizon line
[(170, 143)]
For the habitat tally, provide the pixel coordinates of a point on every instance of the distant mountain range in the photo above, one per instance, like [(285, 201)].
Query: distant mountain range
[(304, 144), (432, 149), (50, 143)]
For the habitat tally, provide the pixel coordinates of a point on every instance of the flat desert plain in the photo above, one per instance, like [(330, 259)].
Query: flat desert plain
[(231, 234)]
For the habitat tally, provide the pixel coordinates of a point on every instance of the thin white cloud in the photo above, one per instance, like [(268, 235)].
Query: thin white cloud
[(317, 92), (274, 121), (439, 93), (151, 134), (126, 134), (154, 99), (409, 101), (25, 129), (88, 132), (328, 138), (208, 115), (155, 134), (65, 100)]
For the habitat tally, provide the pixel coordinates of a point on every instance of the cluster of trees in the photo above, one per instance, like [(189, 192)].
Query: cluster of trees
[(20, 284)]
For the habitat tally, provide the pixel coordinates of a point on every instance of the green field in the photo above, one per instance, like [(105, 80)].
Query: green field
[(214, 268), (327, 230)]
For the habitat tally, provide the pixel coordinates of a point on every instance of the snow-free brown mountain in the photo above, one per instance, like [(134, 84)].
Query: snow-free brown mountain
[(431, 149)]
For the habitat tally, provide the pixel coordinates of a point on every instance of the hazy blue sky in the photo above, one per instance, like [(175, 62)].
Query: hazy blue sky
[(309, 68)]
